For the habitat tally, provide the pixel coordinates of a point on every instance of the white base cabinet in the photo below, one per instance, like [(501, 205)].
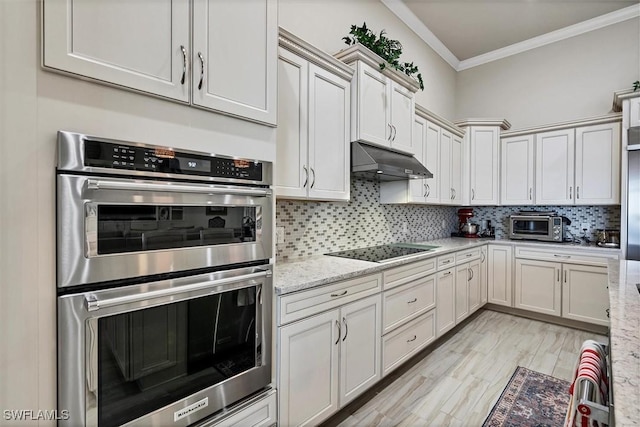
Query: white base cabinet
[(327, 360), (445, 301), (585, 295), (499, 279), (538, 286)]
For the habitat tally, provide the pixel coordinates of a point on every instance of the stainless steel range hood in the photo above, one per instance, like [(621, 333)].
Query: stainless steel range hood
[(385, 164)]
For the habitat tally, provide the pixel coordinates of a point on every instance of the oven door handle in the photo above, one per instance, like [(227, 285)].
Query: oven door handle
[(94, 304), (103, 184)]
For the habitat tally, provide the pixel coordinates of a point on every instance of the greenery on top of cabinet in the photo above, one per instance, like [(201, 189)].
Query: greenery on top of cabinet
[(388, 49)]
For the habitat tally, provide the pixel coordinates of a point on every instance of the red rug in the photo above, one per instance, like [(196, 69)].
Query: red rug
[(530, 399)]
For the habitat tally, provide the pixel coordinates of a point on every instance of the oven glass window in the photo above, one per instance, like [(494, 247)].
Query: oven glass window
[(153, 357), (133, 228), (531, 227)]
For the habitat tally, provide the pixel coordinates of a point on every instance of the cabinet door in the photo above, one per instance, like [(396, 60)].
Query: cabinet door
[(372, 120), (517, 171), (236, 76), (485, 164), (360, 354), (584, 294), (431, 159), (499, 275), (142, 45), (329, 126), (474, 286), (445, 301), (456, 169), (402, 116), (554, 168), (537, 286), (292, 169), (446, 189), (418, 187), (483, 275), (308, 367), (463, 277), (597, 177)]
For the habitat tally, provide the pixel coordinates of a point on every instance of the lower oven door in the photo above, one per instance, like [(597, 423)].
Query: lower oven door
[(113, 229), (164, 353)]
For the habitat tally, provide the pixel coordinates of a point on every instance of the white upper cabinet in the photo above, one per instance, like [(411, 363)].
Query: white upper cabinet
[(139, 45), (431, 156), (554, 167), (161, 48), (234, 64), (313, 124), (383, 105), (418, 187), (517, 171), (484, 145), (597, 174), (456, 169), (634, 112), (446, 189)]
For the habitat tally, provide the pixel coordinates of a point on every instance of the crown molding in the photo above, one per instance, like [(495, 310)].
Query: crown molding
[(503, 123), (312, 54), (440, 121), (621, 95), (552, 37), (398, 8), (609, 118)]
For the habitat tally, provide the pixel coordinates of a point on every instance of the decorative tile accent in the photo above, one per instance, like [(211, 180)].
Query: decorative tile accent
[(315, 228), (596, 216)]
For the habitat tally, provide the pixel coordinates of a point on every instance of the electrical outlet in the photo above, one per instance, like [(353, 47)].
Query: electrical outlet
[(279, 235), (444, 223), (405, 227), (584, 226)]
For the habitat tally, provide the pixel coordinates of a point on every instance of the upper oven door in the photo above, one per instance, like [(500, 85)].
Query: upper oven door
[(113, 228)]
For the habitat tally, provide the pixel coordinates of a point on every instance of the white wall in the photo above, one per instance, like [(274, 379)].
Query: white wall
[(571, 79), (323, 23)]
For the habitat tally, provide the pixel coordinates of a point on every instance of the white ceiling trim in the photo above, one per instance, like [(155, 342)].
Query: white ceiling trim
[(398, 8), (552, 37), (408, 17)]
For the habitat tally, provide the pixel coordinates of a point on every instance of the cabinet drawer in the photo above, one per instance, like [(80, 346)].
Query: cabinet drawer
[(404, 342), (446, 261), (407, 302), (468, 255), (567, 257), (307, 303), (406, 273), (259, 413)]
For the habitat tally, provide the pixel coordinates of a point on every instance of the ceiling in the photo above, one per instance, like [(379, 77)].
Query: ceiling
[(469, 32)]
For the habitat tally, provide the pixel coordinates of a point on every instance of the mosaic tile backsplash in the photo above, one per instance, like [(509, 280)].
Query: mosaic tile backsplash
[(315, 228)]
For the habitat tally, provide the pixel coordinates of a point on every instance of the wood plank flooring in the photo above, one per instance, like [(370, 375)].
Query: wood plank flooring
[(459, 382)]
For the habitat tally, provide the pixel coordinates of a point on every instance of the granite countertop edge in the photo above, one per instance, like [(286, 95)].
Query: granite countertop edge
[(624, 335), (307, 273)]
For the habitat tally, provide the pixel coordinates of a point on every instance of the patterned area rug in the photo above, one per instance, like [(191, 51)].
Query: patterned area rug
[(530, 399)]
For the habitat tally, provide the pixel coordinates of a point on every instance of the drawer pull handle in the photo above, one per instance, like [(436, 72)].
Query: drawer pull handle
[(412, 301), (447, 273), (413, 339), (468, 255), (446, 262), (562, 256), (339, 295)]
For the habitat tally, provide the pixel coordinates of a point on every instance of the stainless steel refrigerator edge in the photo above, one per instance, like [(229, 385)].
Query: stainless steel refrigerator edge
[(633, 195)]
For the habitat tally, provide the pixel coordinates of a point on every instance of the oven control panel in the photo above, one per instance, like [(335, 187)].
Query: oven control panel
[(165, 160)]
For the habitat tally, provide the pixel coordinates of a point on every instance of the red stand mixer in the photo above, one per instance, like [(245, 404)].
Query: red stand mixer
[(465, 227)]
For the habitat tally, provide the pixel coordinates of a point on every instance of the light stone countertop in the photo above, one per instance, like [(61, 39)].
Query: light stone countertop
[(321, 270), (624, 331)]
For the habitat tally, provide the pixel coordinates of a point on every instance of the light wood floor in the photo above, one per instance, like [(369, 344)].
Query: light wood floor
[(459, 382)]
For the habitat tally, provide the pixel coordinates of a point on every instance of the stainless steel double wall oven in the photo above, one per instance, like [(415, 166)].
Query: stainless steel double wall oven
[(164, 282)]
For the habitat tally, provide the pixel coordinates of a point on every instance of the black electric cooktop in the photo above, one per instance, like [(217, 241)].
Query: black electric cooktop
[(383, 253)]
